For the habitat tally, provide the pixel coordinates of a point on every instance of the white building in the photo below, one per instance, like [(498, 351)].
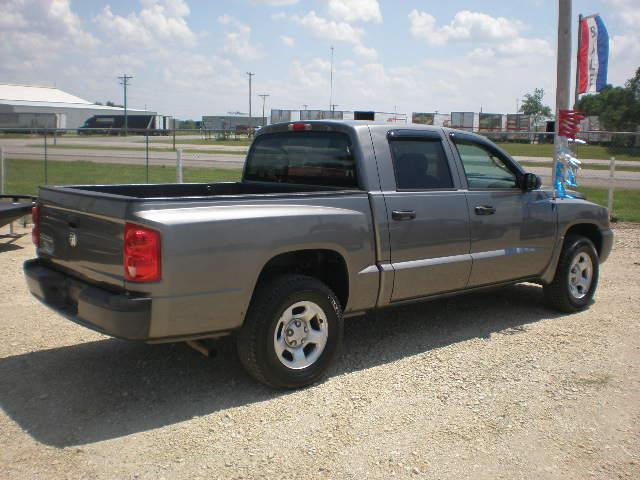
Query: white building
[(29, 106)]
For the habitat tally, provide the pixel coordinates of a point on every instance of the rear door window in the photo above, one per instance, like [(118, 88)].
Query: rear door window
[(420, 164), (310, 158)]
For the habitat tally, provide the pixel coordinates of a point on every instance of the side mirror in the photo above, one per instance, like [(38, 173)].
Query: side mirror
[(530, 181)]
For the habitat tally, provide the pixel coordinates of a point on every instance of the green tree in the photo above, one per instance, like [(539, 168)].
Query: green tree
[(532, 105), (187, 125), (617, 107)]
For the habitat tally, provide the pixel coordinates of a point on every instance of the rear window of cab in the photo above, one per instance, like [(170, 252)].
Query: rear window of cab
[(309, 158)]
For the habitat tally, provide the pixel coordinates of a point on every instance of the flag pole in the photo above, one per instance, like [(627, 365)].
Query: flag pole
[(576, 94)]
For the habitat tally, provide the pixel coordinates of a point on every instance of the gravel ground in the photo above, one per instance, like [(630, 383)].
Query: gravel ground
[(480, 386)]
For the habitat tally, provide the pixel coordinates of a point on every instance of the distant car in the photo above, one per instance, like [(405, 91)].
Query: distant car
[(330, 219)]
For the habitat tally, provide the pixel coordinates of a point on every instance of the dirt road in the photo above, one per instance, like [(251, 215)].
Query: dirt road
[(482, 386)]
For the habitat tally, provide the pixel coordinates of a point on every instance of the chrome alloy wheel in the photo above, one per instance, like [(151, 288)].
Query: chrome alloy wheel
[(580, 275), (301, 335)]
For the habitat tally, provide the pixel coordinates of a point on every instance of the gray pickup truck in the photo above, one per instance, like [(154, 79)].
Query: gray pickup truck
[(331, 219)]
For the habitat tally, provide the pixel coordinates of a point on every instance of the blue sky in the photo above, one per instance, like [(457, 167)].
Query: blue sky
[(189, 57)]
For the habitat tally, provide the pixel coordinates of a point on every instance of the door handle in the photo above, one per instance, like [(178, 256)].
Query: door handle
[(403, 215), (485, 210)]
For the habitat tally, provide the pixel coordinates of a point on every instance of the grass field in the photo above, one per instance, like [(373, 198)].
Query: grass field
[(213, 142), (585, 166), (626, 202), (596, 152), (24, 176), (139, 149)]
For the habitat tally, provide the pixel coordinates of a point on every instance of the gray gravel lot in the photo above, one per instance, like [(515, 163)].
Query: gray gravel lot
[(481, 386)]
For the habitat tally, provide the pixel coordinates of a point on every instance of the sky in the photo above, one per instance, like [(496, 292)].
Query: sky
[(189, 58)]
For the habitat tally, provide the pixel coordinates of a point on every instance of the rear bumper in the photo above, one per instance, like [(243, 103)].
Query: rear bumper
[(607, 244), (116, 314)]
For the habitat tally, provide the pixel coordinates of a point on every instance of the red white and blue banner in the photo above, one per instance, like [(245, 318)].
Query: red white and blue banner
[(593, 57)]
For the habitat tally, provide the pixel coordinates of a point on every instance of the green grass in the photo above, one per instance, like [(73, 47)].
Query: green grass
[(213, 142), (626, 202), (585, 166), (138, 149), (597, 152), (24, 176)]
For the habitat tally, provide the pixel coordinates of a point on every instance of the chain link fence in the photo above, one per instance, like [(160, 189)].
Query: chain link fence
[(97, 156)]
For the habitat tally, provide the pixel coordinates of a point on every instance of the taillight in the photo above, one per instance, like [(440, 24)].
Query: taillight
[(35, 232), (142, 254), (299, 127)]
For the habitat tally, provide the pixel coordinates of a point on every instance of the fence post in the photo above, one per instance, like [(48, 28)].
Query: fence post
[(46, 171), (612, 179), (3, 172), (146, 140), (179, 165), (174, 134)]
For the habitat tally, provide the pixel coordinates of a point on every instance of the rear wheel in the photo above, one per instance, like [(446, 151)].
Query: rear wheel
[(292, 332), (576, 277)]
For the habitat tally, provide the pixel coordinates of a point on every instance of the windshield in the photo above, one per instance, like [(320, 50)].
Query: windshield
[(310, 158)]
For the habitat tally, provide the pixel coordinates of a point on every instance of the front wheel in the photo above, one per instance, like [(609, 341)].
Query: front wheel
[(576, 278), (292, 332)]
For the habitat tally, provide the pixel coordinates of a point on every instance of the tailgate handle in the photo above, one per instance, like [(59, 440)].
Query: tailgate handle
[(403, 215)]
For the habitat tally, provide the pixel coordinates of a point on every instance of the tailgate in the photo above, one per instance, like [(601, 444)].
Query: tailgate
[(81, 241)]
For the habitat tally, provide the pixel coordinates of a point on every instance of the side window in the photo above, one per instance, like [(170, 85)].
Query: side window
[(483, 168), (420, 164)]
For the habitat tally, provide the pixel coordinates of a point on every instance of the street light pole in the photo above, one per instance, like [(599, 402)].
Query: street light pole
[(264, 99), (250, 74), (124, 81), (331, 81)]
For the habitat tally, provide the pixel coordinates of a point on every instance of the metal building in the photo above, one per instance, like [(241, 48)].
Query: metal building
[(29, 106), (231, 122)]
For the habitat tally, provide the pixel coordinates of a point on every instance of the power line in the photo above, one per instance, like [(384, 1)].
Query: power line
[(124, 81), (250, 74), (264, 99)]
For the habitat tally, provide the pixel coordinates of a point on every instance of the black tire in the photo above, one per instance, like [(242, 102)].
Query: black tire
[(255, 341), (557, 294)]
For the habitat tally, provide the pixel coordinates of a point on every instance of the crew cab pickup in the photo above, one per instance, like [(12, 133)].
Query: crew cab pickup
[(331, 219)]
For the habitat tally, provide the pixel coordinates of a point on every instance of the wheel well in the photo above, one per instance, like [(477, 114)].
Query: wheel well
[(327, 266), (589, 230)]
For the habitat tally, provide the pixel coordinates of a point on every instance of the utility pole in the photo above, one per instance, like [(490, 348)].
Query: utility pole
[(563, 81), (517, 105), (250, 74), (264, 99), (305, 106), (331, 81), (124, 81)]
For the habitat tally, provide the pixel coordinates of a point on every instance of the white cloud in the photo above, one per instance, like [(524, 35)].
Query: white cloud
[(366, 52), (465, 26), (624, 57), (158, 22), (288, 41), (493, 37), (423, 26), (238, 42), (355, 10), (34, 33), (329, 30), (627, 10), (275, 3)]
